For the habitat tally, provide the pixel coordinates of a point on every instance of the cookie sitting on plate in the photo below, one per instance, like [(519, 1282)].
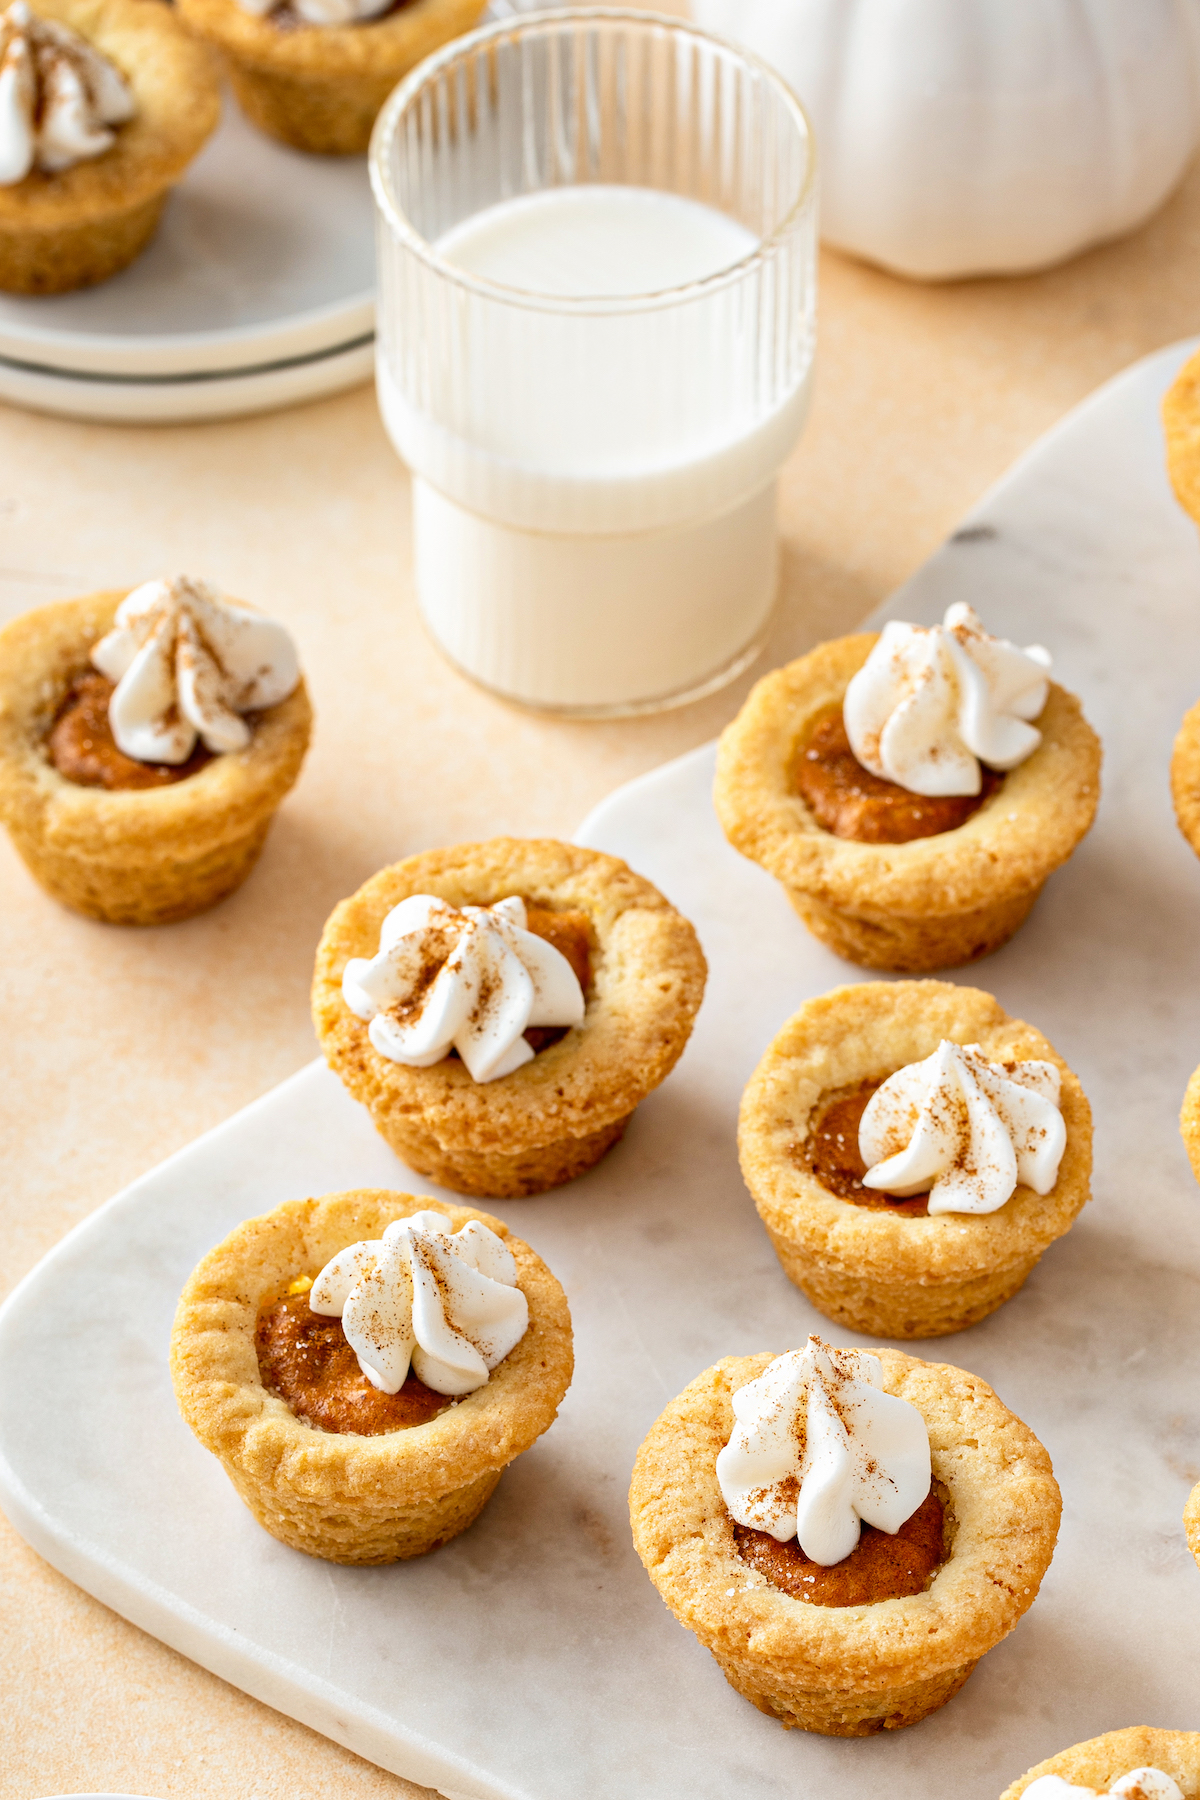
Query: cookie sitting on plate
[(911, 790), (314, 73), (103, 104)]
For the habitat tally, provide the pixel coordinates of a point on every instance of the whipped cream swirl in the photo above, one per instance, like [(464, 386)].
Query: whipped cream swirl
[(187, 662), (59, 98), (1139, 1784), (446, 1302), (932, 703), (819, 1447), (965, 1129), (472, 979), (323, 12)]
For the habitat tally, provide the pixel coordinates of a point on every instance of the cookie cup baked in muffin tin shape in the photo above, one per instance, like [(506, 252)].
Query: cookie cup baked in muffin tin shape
[(146, 856), (556, 1116), (83, 224), (850, 1671), (933, 903), (1181, 425), (337, 1495), (1185, 777), (1100, 1761), (874, 1270), (319, 87), (1189, 1122)]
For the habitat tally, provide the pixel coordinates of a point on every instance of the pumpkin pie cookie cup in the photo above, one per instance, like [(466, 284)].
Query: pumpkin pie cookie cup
[(1181, 422), (129, 856), (338, 1495), (1185, 777), (81, 225), (1181, 418), (875, 1268), (319, 87), (850, 1671), (555, 1117), (1189, 1122), (934, 902), (1100, 1761)]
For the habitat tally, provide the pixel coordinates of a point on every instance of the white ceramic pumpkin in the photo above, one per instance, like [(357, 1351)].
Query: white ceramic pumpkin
[(966, 137)]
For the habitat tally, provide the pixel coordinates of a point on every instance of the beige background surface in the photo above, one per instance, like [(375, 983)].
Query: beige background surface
[(119, 1048)]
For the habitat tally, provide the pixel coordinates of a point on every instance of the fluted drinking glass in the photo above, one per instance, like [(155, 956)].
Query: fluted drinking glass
[(596, 318)]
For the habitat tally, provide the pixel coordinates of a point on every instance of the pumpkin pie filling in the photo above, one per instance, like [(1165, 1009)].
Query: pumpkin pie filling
[(850, 802), (305, 1359), (831, 1151), (883, 1565), (81, 746)]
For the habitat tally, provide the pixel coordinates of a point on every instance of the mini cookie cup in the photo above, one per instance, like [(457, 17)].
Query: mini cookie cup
[(1181, 424), (320, 87), (83, 224), (1185, 777), (933, 903), (1189, 1122), (850, 1671), (885, 1272), (555, 1117), (1100, 1761), (130, 857), (346, 1498)]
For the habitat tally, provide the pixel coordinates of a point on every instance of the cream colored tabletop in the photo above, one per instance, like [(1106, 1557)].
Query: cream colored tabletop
[(119, 1047)]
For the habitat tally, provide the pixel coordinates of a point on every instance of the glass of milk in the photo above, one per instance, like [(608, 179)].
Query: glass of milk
[(596, 316)]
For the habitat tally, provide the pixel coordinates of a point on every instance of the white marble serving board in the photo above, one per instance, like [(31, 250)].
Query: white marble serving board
[(531, 1659)]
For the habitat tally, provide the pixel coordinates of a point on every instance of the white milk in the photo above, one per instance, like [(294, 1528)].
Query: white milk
[(585, 539), (602, 241)]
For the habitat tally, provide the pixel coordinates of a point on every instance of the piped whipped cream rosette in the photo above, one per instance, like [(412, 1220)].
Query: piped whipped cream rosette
[(188, 663), (470, 978), (444, 1302), (1139, 1784), (819, 1448), (931, 703), (60, 99), (965, 1130)]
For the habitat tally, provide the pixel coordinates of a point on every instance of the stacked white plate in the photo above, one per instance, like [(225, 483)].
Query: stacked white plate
[(258, 291)]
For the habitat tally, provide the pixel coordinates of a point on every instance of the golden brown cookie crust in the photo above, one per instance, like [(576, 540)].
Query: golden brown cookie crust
[(1191, 1522), (1189, 1122), (556, 1116), (342, 1497), (132, 857), (877, 1271), (1185, 777), (931, 903), (1181, 421), (319, 87), (63, 231), (855, 1670), (1100, 1761)]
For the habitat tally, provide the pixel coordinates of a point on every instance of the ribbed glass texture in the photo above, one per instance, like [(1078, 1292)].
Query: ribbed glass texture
[(585, 413)]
